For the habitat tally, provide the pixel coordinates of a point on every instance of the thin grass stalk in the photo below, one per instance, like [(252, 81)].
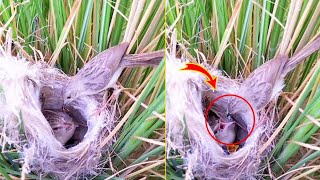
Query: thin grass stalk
[(301, 134), (145, 129)]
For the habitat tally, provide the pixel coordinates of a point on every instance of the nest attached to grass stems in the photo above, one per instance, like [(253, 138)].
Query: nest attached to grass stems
[(23, 125), (187, 134)]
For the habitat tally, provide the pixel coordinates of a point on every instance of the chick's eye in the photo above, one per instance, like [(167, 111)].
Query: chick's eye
[(69, 97)]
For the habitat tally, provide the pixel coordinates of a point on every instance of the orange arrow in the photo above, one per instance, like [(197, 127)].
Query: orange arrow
[(212, 81)]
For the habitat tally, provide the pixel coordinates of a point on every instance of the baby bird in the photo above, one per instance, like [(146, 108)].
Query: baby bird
[(62, 124), (224, 126), (225, 132)]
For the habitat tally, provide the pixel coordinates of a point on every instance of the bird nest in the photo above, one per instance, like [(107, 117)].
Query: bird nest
[(203, 157), (24, 125)]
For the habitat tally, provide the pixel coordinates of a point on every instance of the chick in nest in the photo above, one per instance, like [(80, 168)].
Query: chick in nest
[(226, 128), (62, 124)]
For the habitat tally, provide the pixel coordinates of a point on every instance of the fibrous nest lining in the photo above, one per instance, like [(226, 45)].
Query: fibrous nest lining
[(23, 124), (203, 157)]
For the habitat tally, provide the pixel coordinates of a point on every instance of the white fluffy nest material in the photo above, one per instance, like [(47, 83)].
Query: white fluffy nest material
[(186, 131), (23, 124)]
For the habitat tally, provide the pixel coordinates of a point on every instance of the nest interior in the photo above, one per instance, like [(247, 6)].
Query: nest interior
[(52, 104), (214, 117)]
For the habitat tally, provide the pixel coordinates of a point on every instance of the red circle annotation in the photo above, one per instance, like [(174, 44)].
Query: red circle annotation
[(206, 119)]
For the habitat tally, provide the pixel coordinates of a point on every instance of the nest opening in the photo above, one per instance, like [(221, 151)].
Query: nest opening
[(79, 130), (214, 119)]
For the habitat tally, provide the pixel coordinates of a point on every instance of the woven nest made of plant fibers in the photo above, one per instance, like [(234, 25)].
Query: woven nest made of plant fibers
[(24, 126), (203, 157)]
